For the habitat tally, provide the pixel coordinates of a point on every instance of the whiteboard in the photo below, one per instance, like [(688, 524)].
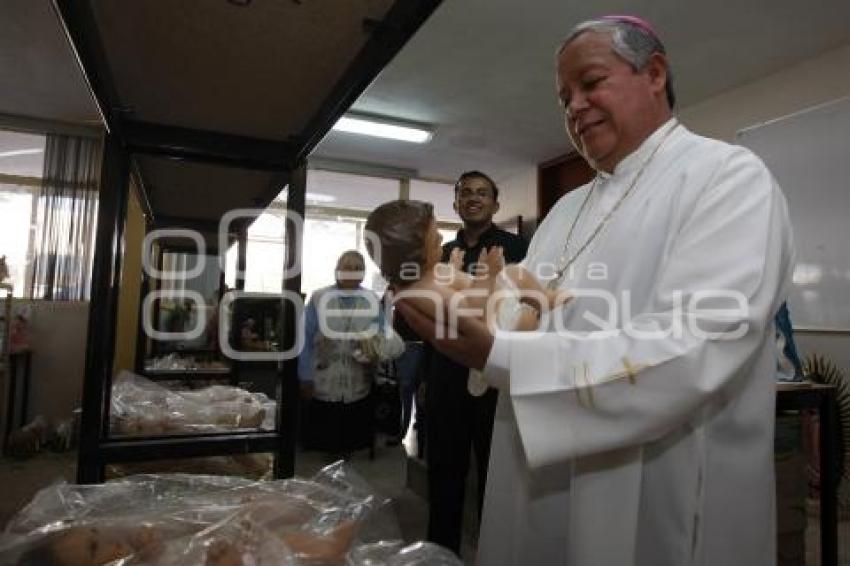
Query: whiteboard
[(809, 154)]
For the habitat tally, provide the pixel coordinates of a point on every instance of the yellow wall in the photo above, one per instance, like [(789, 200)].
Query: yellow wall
[(131, 280)]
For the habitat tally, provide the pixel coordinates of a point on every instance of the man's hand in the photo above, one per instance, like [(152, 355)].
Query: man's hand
[(456, 258), (494, 259), (469, 344)]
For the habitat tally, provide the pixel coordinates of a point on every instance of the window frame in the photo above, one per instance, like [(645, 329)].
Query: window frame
[(329, 213)]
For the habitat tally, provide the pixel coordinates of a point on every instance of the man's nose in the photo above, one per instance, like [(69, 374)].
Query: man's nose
[(578, 103)]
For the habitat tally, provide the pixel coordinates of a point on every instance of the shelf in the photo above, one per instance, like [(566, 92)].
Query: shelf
[(205, 148), (188, 372)]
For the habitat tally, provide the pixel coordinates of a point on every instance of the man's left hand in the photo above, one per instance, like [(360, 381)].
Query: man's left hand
[(468, 344)]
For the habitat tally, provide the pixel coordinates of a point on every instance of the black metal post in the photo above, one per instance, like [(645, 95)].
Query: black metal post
[(387, 37), (241, 257), (828, 477), (103, 309), (80, 26), (155, 284), (205, 146), (288, 390), (141, 449), (141, 338)]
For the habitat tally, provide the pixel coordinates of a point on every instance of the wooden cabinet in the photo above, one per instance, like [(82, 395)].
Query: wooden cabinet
[(557, 177)]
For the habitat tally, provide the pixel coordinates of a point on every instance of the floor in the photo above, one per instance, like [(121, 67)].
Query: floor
[(22, 478)]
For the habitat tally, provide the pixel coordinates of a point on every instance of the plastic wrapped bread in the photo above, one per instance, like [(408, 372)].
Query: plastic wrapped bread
[(395, 553), (187, 519), (253, 466), (141, 407), (233, 541)]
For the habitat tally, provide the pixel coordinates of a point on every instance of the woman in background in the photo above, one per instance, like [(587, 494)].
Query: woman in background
[(337, 371)]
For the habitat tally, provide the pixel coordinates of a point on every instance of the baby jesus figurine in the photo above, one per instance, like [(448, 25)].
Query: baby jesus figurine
[(402, 238)]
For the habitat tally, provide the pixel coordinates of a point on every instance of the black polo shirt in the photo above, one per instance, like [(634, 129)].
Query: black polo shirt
[(514, 247), (441, 368), (403, 329)]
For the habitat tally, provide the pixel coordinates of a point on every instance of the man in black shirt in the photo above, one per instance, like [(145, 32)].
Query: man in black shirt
[(409, 368), (458, 421)]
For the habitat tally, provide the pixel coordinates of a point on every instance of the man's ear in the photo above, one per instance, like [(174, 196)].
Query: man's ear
[(454, 205), (495, 207), (656, 69)]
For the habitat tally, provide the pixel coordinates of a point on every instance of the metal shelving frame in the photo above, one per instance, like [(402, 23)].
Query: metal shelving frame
[(128, 138)]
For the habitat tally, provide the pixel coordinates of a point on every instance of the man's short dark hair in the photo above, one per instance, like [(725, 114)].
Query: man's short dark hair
[(477, 175)]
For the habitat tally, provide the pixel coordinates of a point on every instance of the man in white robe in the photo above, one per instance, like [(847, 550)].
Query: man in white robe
[(639, 426)]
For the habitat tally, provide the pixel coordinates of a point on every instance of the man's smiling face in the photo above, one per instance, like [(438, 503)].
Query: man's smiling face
[(608, 105), (475, 201)]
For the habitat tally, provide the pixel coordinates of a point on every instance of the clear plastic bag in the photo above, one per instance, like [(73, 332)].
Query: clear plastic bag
[(395, 553), (254, 466), (141, 407), (234, 541), (189, 519)]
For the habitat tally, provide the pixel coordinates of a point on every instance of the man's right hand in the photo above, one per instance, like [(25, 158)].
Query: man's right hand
[(456, 258), (493, 260)]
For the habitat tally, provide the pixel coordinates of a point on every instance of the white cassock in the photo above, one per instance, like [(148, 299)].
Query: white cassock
[(619, 447)]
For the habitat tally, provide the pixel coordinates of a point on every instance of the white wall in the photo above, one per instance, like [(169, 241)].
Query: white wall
[(812, 82), (809, 83), (518, 195), (58, 341)]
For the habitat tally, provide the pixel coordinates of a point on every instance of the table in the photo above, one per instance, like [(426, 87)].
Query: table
[(192, 377), (16, 358), (808, 395)]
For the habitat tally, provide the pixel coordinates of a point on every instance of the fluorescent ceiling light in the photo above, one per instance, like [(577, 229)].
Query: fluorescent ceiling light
[(312, 198), (383, 128), (319, 197), (17, 152)]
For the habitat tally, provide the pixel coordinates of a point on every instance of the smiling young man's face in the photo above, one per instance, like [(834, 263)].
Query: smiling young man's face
[(610, 107), (475, 201)]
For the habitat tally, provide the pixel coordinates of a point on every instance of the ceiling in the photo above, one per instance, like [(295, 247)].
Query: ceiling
[(222, 104), (260, 70), (21, 154), (480, 70), (226, 79), (38, 71)]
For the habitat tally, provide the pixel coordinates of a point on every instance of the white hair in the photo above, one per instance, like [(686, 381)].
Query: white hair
[(632, 42)]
